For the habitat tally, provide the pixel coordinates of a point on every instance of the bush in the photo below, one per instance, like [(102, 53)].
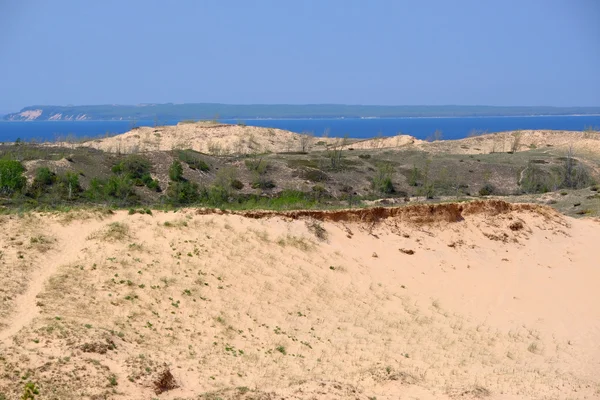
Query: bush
[(237, 184), (535, 180), (487, 189), (382, 181), (11, 177), (44, 177), (182, 192), (43, 180), (427, 190), (150, 183), (137, 168), (415, 176), (192, 160), (261, 182), (257, 165), (176, 171), (314, 175), (217, 195), (68, 186), (118, 187)]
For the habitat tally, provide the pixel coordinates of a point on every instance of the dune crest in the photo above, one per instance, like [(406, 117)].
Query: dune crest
[(223, 139)]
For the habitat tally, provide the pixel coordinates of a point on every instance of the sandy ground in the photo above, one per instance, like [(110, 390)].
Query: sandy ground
[(480, 300)]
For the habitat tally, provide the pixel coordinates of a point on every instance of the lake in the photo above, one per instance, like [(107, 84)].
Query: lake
[(422, 128)]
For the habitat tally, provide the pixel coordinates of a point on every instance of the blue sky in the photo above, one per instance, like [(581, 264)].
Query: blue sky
[(526, 52)]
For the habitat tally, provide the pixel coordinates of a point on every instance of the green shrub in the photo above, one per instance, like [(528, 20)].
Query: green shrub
[(193, 161), (237, 184), (182, 192), (44, 177), (176, 171), (487, 189), (258, 165), (68, 185), (314, 175), (134, 166), (137, 168), (415, 176), (535, 179), (118, 188), (227, 180), (261, 182), (382, 181), (43, 180), (96, 191), (11, 177)]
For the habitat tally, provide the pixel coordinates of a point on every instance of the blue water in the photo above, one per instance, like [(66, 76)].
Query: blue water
[(452, 128)]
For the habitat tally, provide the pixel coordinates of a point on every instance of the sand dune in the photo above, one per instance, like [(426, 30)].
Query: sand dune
[(527, 139), (221, 139), (216, 139), (484, 299)]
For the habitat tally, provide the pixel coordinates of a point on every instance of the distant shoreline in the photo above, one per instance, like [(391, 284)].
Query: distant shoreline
[(313, 118), (217, 111)]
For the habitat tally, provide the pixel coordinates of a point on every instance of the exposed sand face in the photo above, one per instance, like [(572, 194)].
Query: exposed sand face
[(496, 301)]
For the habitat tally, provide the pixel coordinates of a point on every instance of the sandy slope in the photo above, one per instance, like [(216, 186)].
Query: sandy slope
[(497, 301)]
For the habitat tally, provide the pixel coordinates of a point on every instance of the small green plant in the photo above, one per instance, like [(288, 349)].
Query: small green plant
[(281, 349), (112, 380), (30, 391)]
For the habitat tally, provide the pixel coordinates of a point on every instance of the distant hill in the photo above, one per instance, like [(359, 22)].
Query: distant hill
[(252, 111)]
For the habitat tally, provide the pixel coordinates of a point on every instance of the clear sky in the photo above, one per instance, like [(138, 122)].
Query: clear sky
[(467, 52)]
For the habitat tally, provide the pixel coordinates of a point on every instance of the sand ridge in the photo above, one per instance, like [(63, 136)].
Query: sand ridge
[(223, 139), (459, 300)]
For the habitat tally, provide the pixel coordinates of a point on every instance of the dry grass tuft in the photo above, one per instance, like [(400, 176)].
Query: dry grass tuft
[(41, 243), (298, 242), (115, 231), (476, 392), (316, 228), (164, 381), (178, 223), (516, 226)]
